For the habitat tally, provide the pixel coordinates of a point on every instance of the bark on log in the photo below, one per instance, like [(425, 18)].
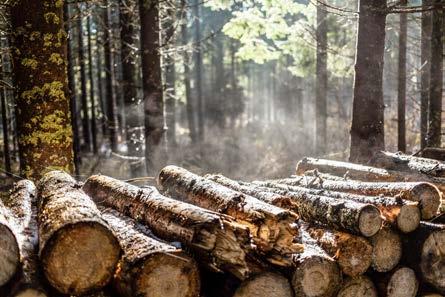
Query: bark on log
[(353, 253), (426, 194), (21, 203), (317, 274), (78, 252), (365, 173), (272, 228), (351, 216), (150, 267), (406, 163), (433, 153), (404, 215), (218, 238), (360, 286), (401, 282), (265, 285), (9, 247), (387, 250)]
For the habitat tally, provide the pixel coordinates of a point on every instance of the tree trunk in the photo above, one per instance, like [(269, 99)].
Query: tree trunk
[(270, 226), (42, 104), (352, 253), (387, 250), (317, 274), (214, 237), (139, 273), (72, 231), (197, 57), (436, 78), (321, 80), (360, 286), (6, 152), (152, 86), (265, 285), (367, 130), (111, 98), (83, 81), (92, 85), (425, 72), (401, 92)]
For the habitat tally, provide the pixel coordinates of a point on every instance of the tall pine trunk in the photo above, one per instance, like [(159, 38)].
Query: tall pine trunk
[(436, 79), (198, 67), (152, 86), (401, 94), (425, 72), (367, 130), (322, 81), (42, 103), (92, 84)]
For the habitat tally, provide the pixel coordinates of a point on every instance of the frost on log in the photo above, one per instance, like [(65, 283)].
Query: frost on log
[(271, 227), (72, 231), (150, 267)]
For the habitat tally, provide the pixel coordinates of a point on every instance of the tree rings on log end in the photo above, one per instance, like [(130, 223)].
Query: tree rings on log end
[(80, 257), (370, 221), (170, 275), (316, 277), (31, 293), (9, 254), (408, 219), (429, 198), (403, 283), (387, 250), (265, 285), (432, 261), (360, 286)]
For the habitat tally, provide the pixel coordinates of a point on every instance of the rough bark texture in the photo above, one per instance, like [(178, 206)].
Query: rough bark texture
[(436, 153), (270, 226), (265, 285), (387, 250), (317, 274), (353, 253), (216, 238), (361, 286), (367, 130), (39, 56), (426, 24), (402, 214), (150, 267), (71, 230), (426, 194)]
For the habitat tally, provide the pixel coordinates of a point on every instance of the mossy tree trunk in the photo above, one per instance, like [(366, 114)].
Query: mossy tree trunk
[(42, 101)]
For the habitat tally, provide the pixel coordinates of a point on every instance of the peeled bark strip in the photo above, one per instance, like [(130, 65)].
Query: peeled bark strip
[(360, 286), (223, 242), (265, 285), (353, 253), (351, 216), (271, 227), (9, 248), (426, 194), (150, 267), (317, 274), (78, 252), (387, 250), (365, 173), (404, 215), (21, 204), (402, 162)]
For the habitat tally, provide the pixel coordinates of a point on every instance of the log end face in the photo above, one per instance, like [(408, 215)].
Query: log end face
[(265, 285), (408, 219), (433, 260), (354, 256), (403, 283), (9, 254), (31, 293), (429, 198), (370, 220), (316, 277), (358, 287), (387, 250), (80, 258)]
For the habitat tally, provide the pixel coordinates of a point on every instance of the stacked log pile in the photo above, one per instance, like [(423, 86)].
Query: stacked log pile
[(333, 229)]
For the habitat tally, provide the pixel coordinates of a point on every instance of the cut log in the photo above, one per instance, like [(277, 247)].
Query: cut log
[(402, 214), (21, 203), (365, 173), (353, 253), (150, 267), (406, 163), (387, 250), (426, 194), (316, 274), (224, 244), (272, 228), (265, 285), (9, 248), (348, 215), (401, 282), (426, 254), (360, 286), (435, 153), (78, 252)]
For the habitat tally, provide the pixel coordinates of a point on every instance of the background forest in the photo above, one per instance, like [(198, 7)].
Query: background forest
[(245, 88)]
